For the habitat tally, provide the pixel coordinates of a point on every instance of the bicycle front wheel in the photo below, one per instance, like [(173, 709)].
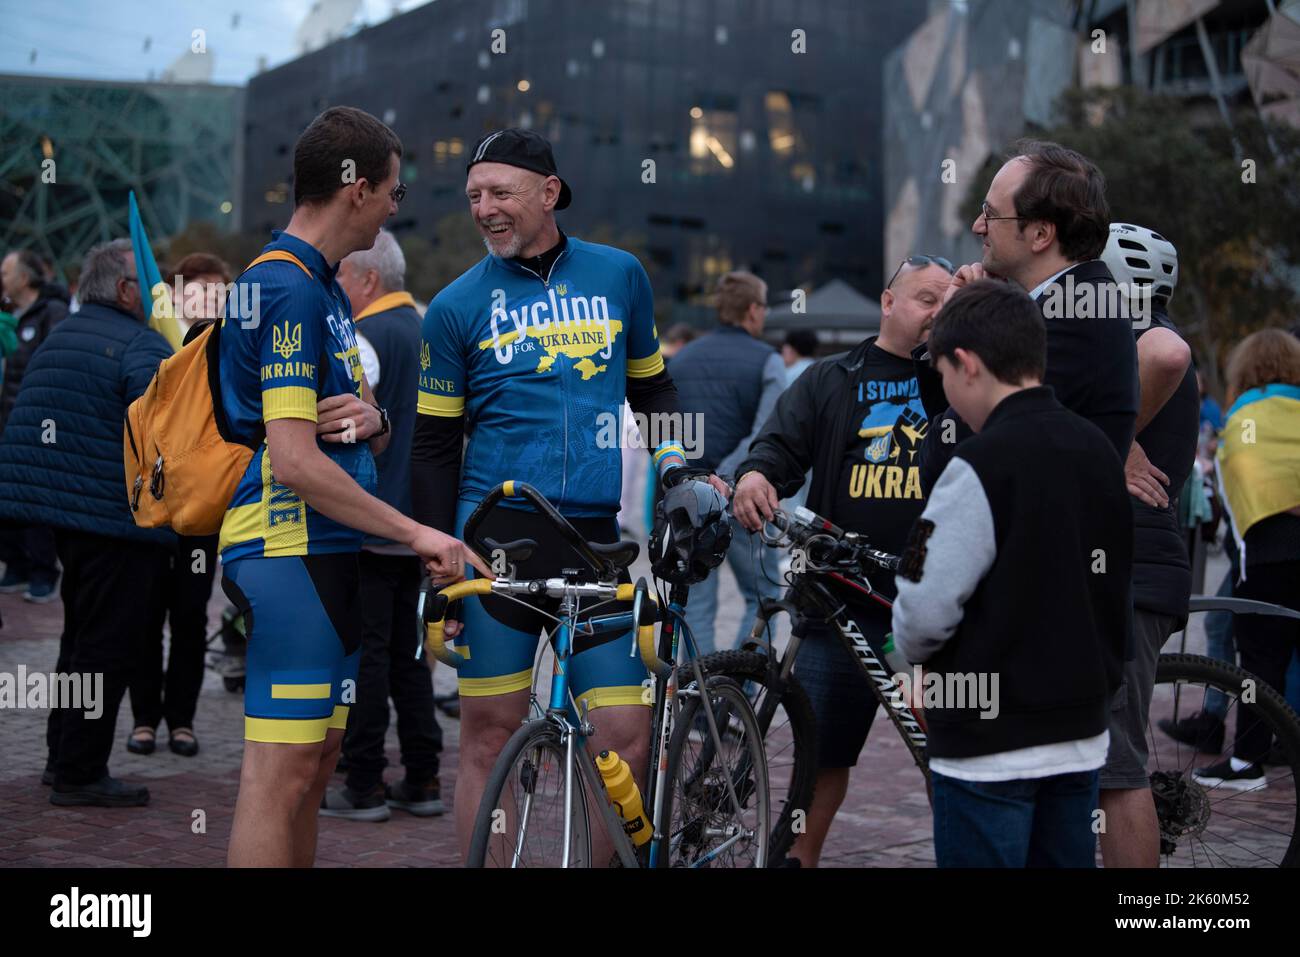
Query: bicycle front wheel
[(521, 819), (789, 739), (1213, 822), (717, 805)]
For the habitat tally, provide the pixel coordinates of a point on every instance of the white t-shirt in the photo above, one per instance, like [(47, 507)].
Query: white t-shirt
[(1039, 761), (369, 360)]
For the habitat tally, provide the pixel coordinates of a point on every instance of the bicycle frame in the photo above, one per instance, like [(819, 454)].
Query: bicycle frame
[(803, 594), (561, 703)]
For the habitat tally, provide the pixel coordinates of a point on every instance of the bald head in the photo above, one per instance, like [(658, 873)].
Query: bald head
[(908, 307)]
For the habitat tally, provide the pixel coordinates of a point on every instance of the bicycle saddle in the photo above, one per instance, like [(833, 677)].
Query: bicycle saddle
[(517, 551), (621, 554)]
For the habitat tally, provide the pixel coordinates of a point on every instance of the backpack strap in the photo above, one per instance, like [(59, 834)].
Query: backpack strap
[(213, 347), (278, 255)]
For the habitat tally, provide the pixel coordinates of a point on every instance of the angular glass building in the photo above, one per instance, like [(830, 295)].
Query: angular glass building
[(705, 135), (74, 149)]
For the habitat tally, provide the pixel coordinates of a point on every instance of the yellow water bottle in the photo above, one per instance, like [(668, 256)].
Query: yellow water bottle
[(625, 796)]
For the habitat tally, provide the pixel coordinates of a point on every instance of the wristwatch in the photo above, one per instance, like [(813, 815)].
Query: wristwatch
[(384, 425)]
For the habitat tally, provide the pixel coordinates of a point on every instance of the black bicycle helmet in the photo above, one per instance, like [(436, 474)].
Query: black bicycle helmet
[(691, 533)]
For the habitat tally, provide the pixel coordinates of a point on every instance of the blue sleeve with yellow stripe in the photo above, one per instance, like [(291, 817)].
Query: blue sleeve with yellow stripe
[(442, 363), (289, 351), (643, 357)]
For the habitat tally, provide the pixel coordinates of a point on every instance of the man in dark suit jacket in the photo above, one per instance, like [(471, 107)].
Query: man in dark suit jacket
[(1044, 223)]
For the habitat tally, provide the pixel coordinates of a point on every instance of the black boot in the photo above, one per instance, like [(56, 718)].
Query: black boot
[(106, 792)]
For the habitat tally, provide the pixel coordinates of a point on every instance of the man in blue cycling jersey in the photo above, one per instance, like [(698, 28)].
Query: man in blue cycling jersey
[(532, 352), (292, 387)]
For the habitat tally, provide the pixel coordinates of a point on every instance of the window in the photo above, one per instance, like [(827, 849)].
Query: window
[(714, 135)]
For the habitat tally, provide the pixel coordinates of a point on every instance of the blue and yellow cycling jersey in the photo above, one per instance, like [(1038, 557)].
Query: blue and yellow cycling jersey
[(286, 342), (539, 367)]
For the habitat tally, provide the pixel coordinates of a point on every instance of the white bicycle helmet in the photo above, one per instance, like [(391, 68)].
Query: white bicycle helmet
[(1136, 255)]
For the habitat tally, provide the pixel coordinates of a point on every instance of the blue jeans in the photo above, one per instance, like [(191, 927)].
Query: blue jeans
[(1034, 822), (757, 574)]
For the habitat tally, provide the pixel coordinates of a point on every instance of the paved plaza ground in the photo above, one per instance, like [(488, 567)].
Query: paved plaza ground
[(885, 820)]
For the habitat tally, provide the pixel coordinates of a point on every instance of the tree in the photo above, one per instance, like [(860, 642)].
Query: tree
[(1233, 223), (237, 249)]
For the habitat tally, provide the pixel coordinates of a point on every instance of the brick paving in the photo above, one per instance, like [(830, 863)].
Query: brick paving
[(885, 820)]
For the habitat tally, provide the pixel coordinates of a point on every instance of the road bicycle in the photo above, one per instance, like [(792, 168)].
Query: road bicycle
[(706, 800), (1200, 825)]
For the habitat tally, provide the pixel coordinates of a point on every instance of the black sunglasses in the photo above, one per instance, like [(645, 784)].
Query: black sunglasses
[(398, 192), (919, 261)]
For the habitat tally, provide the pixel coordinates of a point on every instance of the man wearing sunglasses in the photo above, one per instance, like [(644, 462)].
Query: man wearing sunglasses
[(857, 420)]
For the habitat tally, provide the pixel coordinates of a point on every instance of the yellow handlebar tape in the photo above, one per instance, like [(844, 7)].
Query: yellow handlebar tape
[(435, 641)]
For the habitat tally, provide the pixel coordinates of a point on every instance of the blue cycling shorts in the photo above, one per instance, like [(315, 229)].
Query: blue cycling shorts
[(302, 618), (499, 638)]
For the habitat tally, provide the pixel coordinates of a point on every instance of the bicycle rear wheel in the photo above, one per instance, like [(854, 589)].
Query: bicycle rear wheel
[(1215, 826), (716, 806), (520, 820), (789, 739)]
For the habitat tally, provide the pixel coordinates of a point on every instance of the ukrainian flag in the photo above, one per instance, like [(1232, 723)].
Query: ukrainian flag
[(1259, 457), (162, 317)]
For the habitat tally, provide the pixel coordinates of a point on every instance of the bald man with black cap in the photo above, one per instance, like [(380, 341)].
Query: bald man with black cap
[(533, 352)]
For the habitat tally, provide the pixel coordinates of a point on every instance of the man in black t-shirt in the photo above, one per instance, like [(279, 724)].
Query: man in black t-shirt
[(857, 422)]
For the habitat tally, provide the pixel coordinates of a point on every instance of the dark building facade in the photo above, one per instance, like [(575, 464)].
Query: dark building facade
[(758, 121)]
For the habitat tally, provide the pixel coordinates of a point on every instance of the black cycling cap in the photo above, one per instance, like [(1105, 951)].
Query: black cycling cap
[(524, 149)]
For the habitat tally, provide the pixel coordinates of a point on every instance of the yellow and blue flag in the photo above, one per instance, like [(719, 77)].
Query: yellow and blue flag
[(1259, 457), (162, 316)]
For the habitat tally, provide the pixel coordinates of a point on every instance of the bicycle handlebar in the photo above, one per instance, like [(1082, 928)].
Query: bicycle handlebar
[(806, 526), (435, 616), (436, 602)]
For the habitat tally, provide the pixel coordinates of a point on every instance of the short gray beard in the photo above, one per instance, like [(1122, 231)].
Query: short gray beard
[(510, 251)]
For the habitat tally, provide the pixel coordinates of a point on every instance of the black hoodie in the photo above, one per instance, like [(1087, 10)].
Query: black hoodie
[(48, 309)]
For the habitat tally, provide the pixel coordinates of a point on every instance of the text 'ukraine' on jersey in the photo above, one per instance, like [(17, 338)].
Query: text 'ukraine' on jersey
[(300, 347), (536, 365)]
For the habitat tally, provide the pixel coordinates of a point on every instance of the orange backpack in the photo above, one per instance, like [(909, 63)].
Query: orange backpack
[(182, 462)]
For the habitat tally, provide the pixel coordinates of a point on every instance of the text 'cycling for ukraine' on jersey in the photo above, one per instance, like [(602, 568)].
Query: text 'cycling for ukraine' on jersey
[(534, 363)]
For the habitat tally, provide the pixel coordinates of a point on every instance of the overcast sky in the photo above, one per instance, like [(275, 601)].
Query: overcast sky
[(129, 39)]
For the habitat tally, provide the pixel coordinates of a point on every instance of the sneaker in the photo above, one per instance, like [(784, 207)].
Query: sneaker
[(422, 800), (12, 583), (106, 792), (47, 776), (346, 803), (1223, 775), (1202, 730), (41, 593)]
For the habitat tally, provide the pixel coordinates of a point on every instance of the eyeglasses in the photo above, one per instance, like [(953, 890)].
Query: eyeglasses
[(918, 261), (397, 193), (985, 210)]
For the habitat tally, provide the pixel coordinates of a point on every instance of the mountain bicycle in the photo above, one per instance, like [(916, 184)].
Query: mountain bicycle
[(706, 798), (1199, 825)]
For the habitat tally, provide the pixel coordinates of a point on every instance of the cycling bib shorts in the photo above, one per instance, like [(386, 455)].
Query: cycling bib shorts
[(302, 617), (499, 636)]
